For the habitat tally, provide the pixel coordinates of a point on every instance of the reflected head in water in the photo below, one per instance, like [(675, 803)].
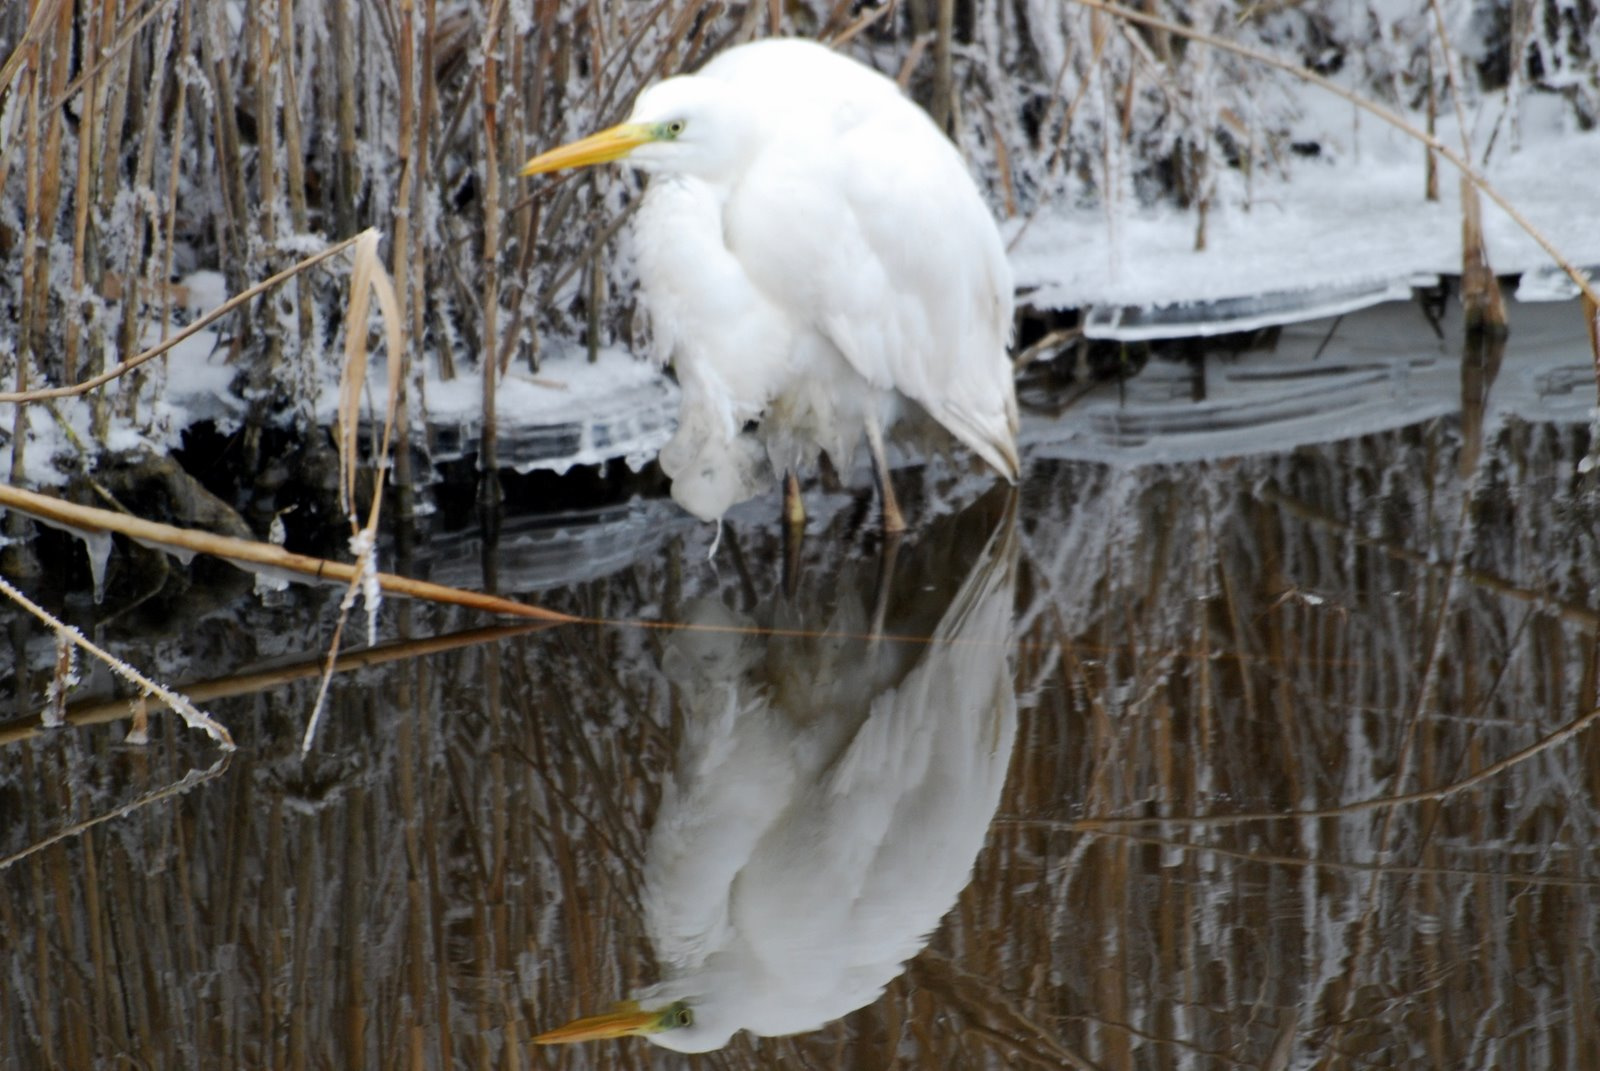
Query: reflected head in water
[(673, 1026), (831, 790)]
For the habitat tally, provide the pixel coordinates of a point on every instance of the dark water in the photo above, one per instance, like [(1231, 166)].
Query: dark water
[(1282, 761)]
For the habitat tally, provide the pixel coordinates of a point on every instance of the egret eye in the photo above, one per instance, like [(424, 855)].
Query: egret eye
[(683, 1016), (675, 128)]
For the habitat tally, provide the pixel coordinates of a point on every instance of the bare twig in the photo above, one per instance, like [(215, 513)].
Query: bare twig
[(1376, 803), (178, 788), (242, 298), (192, 715)]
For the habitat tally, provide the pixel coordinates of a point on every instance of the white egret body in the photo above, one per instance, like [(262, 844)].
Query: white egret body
[(813, 255), (830, 797)]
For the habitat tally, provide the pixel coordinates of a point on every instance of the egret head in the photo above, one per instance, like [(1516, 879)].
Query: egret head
[(685, 125), (678, 1025)]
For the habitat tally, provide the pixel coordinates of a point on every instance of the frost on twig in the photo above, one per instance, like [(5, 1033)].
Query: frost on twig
[(178, 788), (61, 682), (364, 546), (368, 278), (67, 636)]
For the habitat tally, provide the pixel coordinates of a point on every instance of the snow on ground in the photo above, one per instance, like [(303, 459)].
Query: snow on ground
[(1346, 228), (1342, 230), (189, 384), (571, 412)]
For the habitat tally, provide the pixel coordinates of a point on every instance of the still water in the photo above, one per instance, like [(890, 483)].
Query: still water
[(1172, 759)]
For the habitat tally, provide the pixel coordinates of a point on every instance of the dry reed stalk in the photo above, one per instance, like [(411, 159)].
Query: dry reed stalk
[(144, 266), (530, 211), (848, 31), (128, 31), (23, 56), (263, 63), (180, 116), (107, 130), (1591, 321), (1430, 180), (597, 297), (1058, 150), (1480, 290), (346, 182), (367, 278), (406, 204), (944, 94), (101, 712), (489, 492), (294, 158), (234, 253), (31, 298), (49, 196), (270, 555)]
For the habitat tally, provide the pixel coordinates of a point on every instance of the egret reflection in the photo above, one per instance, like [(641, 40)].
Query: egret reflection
[(831, 790)]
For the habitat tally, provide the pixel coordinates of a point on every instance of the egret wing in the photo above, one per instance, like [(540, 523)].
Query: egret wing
[(865, 225)]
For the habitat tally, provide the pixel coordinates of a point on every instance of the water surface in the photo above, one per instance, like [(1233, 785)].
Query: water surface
[(1294, 766)]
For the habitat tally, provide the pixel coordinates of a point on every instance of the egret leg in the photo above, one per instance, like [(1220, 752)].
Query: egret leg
[(892, 520), (885, 583), (794, 530), (794, 507)]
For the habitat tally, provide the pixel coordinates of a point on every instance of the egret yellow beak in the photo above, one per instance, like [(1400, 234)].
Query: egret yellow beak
[(611, 144), (621, 1021)]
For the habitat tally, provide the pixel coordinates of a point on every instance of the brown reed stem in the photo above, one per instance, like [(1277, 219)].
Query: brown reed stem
[(88, 518)]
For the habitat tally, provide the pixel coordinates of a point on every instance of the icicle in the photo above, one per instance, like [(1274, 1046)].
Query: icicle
[(98, 546)]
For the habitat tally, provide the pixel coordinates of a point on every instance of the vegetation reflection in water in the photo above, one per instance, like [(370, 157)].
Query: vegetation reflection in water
[(1253, 813)]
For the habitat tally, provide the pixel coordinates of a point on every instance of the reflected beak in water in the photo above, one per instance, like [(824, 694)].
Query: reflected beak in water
[(621, 1021), (610, 144)]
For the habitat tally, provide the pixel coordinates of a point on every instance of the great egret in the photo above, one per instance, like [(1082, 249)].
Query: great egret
[(829, 799), (813, 255)]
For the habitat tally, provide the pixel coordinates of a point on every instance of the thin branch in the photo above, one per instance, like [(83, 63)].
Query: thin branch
[(178, 788), (242, 298), (1426, 795), (192, 715)]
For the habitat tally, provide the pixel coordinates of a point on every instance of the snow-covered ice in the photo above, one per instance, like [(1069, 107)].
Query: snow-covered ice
[(1340, 230)]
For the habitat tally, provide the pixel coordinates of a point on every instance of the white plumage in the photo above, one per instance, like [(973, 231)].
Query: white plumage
[(813, 255), (829, 799)]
